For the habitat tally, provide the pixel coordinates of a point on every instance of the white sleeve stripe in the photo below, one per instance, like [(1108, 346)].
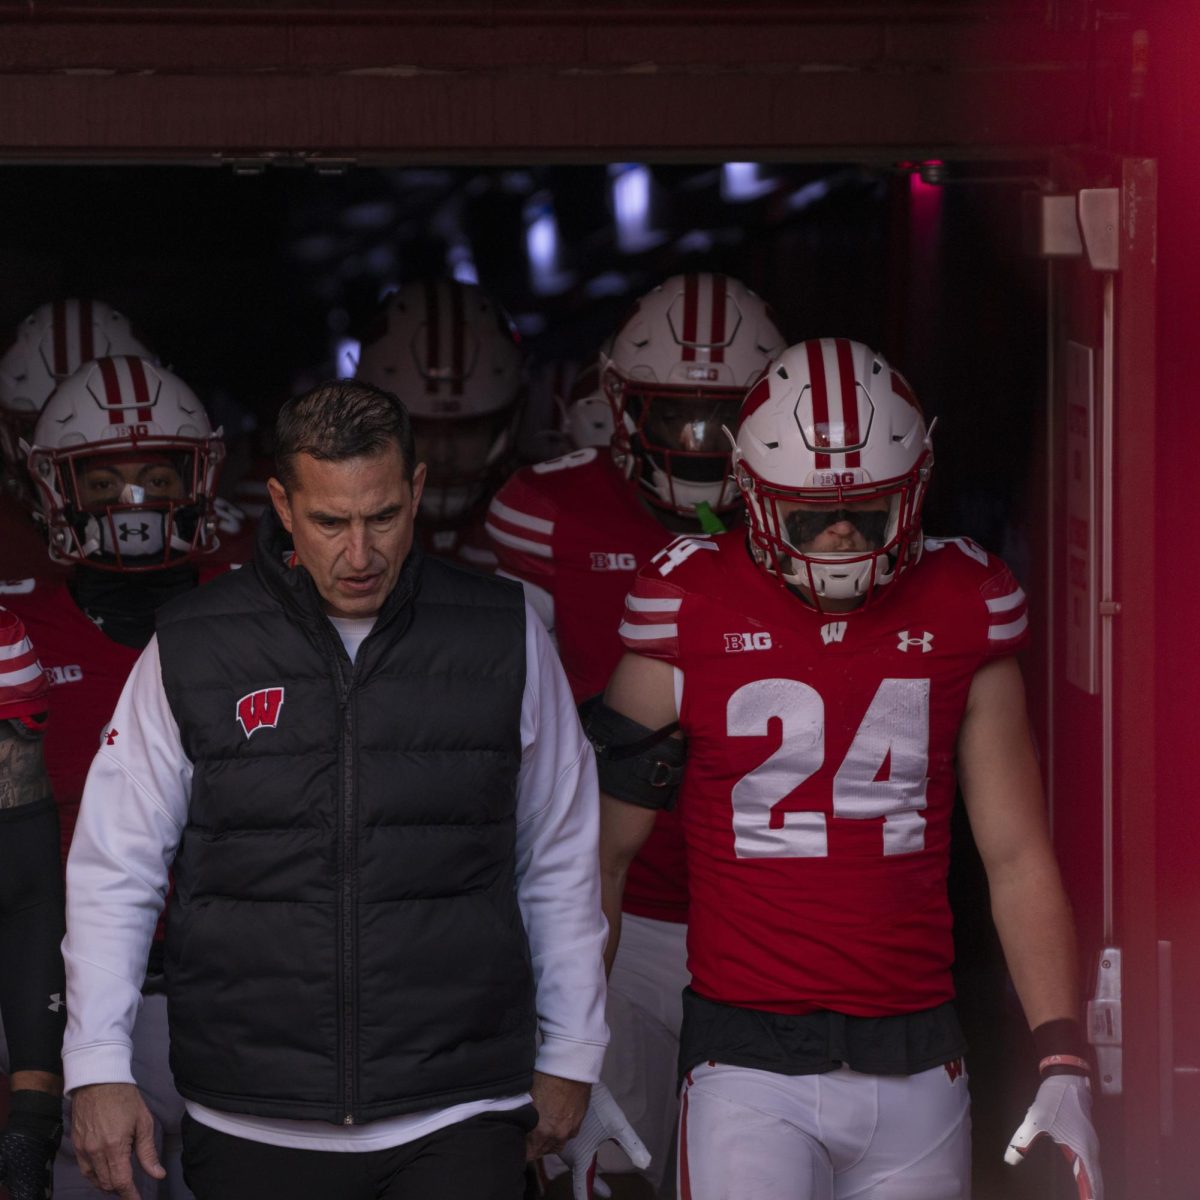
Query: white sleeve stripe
[(1001, 633), (513, 517), (646, 633), (516, 543), (665, 604), (1005, 603), (16, 678), (15, 650)]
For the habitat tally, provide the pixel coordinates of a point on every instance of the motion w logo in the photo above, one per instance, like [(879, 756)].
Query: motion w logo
[(259, 710)]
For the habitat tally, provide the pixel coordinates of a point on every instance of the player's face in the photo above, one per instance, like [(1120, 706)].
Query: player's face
[(352, 525), (104, 481), (694, 424), (852, 528)]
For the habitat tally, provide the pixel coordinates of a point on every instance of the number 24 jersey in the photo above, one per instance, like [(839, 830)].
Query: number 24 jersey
[(820, 779)]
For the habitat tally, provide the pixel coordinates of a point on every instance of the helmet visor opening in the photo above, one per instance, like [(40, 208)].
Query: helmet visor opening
[(457, 451)]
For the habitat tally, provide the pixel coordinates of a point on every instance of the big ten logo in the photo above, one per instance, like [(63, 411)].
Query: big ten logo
[(737, 643), (117, 432), (602, 561), (57, 675), (834, 478), (703, 374)]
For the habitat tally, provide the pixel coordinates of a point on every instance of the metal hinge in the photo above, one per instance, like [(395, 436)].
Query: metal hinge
[(1104, 1021)]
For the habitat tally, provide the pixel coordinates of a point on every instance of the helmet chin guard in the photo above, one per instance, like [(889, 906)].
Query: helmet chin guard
[(832, 425)]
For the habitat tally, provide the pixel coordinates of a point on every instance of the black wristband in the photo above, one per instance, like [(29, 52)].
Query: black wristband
[(39, 1114), (1060, 1039)]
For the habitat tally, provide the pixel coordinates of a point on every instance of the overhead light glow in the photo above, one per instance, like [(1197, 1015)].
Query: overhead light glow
[(742, 181), (541, 244), (631, 199), (346, 352)]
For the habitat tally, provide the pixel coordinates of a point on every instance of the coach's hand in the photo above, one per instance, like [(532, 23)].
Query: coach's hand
[(108, 1121), (604, 1122), (560, 1105)]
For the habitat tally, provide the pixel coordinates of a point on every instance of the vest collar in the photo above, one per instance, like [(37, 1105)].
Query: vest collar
[(294, 588)]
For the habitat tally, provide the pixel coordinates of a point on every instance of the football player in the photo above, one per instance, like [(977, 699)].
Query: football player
[(124, 463), (810, 691), (31, 924), (48, 346), (447, 350), (574, 530)]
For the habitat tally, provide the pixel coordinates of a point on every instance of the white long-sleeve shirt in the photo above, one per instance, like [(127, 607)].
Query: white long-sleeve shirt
[(132, 817)]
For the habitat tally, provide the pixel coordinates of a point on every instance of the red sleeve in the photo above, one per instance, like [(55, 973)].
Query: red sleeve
[(24, 691), (1007, 611), (650, 624), (520, 527)]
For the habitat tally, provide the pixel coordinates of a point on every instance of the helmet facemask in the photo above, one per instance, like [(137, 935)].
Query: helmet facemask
[(672, 441), (463, 457), (100, 518), (883, 519)]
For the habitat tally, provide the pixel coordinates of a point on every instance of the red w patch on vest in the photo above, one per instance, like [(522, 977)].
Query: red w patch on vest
[(260, 710)]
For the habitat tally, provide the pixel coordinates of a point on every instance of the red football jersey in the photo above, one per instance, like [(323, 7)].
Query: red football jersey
[(86, 671), (24, 691), (574, 527), (465, 543), (820, 779), (236, 532)]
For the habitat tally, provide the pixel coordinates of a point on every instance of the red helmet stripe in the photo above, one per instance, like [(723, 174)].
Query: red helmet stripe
[(112, 390), (717, 341), (458, 329), (87, 342), (758, 395), (820, 397), (691, 297), (141, 388), (851, 435), (433, 337), (60, 338)]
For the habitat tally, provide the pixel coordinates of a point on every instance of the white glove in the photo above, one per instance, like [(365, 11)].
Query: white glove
[(1062, 1111), (603, 1121)]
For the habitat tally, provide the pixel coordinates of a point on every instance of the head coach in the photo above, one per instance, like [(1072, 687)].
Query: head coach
[(363, 770)]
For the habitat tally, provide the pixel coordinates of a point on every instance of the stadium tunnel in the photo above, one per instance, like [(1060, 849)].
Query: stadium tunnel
[(980, 190)]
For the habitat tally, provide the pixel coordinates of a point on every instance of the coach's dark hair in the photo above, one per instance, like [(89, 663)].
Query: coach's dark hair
[(348, 418)]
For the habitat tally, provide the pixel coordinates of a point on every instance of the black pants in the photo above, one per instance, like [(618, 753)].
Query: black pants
[(479, 1159)]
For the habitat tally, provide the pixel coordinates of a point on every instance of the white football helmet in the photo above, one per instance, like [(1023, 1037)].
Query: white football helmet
[(676, 372), (448, 351), (832, 424), (115, 417), (49, 346)]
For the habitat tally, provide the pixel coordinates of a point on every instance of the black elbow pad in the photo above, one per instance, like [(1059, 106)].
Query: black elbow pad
[(638, 765)]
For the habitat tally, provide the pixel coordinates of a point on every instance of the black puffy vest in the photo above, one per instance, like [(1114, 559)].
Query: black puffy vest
[(344, 941)]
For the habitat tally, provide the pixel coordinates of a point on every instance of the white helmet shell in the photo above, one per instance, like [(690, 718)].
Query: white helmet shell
[(831, 423), (674, 375), (448, 351), (49, 346), (126, 409)]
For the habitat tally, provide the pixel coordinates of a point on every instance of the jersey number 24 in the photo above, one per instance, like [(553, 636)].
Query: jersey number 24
[(894, 731)]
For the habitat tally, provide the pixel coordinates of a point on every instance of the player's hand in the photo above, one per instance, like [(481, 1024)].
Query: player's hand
[(108, 1121), (604, 1122), (1062, 1111), (29, 1144), (560, 1105)]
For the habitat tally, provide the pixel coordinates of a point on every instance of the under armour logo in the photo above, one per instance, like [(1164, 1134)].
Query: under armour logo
[(56, 1002), (128, 531), (835, 631), (109, 737), (954, 1069), (925, 641), (258, 710)]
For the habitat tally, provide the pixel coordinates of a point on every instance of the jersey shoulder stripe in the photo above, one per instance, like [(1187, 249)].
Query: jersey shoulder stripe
[(520, 526), (650, 623), (1007, 611), (23, 685)]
